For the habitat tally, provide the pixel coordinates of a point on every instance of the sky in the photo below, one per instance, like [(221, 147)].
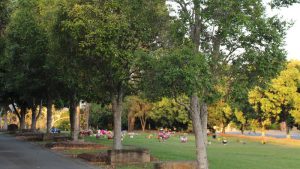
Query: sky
[(293, 34)]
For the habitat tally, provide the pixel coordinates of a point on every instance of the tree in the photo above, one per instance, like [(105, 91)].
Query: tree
[(119, 29), (181, 71), (239, 42), (280, 99), (137, 108), (220, 114), (64, 62), (4, 15), (101, 116), (240, 120), (282, 3), (26, 46), (263, 111), (168, 113)]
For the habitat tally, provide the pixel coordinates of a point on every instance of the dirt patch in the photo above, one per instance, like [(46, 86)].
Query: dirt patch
[(176, 165), (265, 139)]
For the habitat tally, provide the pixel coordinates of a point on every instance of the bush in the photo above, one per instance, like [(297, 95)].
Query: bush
[(12, 127), (64, 125)]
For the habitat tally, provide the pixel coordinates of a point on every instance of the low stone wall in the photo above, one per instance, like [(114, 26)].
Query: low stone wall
[(35, 136), (73, 145), (128, 156), (176, 165), (30, 136), (96, 157)]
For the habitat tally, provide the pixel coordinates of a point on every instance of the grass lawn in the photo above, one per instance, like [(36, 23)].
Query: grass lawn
[(234, 155)]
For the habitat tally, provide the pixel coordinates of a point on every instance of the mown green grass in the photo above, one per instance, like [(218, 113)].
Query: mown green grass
[(234, 155)]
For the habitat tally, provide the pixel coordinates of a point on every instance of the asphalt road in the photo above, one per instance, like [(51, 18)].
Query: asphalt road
[(15, 154)]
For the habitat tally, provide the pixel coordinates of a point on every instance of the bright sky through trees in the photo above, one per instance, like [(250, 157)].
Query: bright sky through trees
[(291, 13), (293, 34)]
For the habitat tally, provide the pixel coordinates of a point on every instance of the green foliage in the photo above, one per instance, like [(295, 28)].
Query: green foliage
[(26, 51), (282, 3), (173, 73), (4, 14), (64, 125), (106, 35), (280, 99), (101, 117), (168, 113), (137, 107), (220, 114)]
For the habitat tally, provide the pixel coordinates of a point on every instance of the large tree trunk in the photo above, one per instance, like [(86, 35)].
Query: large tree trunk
[(22, 118), (117, 101), (87, 115), (5, 120), (74, 119), (242, 129), (203, 118), (143, 123), (202, 162), (49, 114), (1, 121), (288, 135), (131, 122), (71, 114), (223, 128), (40, 110), (33, 118), (263, 131)]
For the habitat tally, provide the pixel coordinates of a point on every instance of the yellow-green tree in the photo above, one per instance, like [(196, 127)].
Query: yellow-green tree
[(240, 119), (220, 114), (281, 99), (137, 108)]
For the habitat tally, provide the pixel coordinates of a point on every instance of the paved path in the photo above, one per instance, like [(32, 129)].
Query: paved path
[(15, 154)]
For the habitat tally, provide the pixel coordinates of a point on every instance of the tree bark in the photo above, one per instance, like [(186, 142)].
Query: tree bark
[(87, 116), (223, 128), (1, 121), (40, 110), (117, 101), (33, 118), (71, 114), (202, 162), (22, 117), (143, 123), (5, 120), (263, 131), (74, 119), (203, 118), (131, 122), (288, 131), (49, 114), (199, 117), (242, 129)]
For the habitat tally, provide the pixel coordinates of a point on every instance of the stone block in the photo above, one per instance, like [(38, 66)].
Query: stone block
[(73, 145), (128, 156), (95, 157)]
